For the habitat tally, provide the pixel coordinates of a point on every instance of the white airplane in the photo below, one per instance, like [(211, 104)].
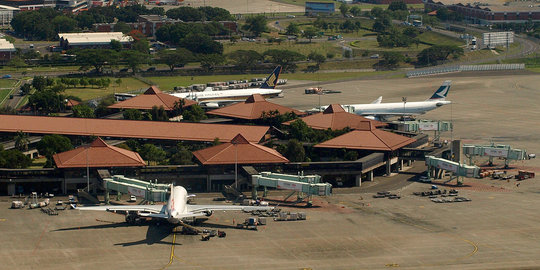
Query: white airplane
[(174, 211), (378, 110), (214, 99)]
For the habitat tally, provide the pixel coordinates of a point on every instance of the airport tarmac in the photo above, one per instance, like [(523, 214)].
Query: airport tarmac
[(493, 107), (498, 229)]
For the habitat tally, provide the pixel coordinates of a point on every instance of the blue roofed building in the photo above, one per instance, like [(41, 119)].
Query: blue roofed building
[(316, 8)]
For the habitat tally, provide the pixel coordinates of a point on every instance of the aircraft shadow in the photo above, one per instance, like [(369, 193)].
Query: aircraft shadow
[(154, 235), (216, 226)]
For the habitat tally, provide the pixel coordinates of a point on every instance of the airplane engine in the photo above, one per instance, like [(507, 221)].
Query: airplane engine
[(209, 213), (132, 218)]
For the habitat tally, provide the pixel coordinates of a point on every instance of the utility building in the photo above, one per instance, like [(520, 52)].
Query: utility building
[(93, 40)]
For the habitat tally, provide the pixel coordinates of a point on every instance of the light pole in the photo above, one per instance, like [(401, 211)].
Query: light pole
[(235, 165), (404, 99)]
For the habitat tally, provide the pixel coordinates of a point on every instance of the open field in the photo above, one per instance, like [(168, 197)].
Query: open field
[(168, 83), (247, 6), (4, 94), (7, 83), (87, 93), (302, 47)]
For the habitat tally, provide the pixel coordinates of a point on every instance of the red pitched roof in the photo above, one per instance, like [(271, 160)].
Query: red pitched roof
[(368, 138), (252, 108), (129, 128), (98, 154), (152, 97), (336, 118), (239, 151), (70, 103)]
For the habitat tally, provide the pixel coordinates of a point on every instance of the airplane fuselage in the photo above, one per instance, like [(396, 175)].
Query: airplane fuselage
[(229, 94), (397, 108), (177, 204)]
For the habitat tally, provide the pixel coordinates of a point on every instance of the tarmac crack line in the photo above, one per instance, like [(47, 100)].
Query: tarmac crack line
[(41, 236), (475, 246)]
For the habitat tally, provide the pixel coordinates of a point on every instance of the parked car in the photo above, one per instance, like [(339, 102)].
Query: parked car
[(132, 198)]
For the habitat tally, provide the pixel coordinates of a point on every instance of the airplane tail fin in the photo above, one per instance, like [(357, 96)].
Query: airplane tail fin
[(442, 92), (272, 80)]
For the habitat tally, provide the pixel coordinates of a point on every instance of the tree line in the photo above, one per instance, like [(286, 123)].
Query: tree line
[(46, 23)]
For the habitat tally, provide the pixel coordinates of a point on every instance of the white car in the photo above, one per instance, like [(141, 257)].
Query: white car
[(132, 198)]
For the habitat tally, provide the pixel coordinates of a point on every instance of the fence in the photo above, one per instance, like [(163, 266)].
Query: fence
[(443, 70)]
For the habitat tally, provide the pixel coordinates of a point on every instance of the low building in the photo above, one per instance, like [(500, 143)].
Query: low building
[(152, 97), (519, 12), (336, 118), (92, 40), (183, 131), (316, 8), (253, 108), (7, 50), (238, 151), (98, 154), (149, 24), (71, 5), (7, 13)]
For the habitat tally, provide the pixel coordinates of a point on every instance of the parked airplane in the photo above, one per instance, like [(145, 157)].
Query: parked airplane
[(174, 211), (379, 110), (213, 99)]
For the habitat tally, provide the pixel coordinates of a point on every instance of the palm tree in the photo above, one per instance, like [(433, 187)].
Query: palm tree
[(21, 141)]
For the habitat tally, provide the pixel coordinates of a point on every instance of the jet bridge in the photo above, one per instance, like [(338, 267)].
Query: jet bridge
[(303, 185), (495, 150), (459, 170), (152, 192), (424, 125)]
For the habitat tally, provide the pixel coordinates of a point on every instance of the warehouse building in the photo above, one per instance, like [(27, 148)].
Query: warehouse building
[(92, 40), (7, 50), (317, 8), (518, 12)]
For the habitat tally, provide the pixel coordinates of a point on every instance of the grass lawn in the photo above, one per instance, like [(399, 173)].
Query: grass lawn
[(302, 2), (353, 64), (438, 39), (29, 70), (167, 83), (7, 83), (535, 69), (87, 93), (3, 94), (38, 163), (22, 101), (373, 46), (301, 47), (330, 76)]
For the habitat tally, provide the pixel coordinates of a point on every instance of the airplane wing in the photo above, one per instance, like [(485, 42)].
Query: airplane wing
[(150, 209), (377, 101), (199, 209), (218, 103)]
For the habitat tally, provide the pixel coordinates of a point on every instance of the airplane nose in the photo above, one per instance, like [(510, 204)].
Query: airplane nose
[(174, 213)]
